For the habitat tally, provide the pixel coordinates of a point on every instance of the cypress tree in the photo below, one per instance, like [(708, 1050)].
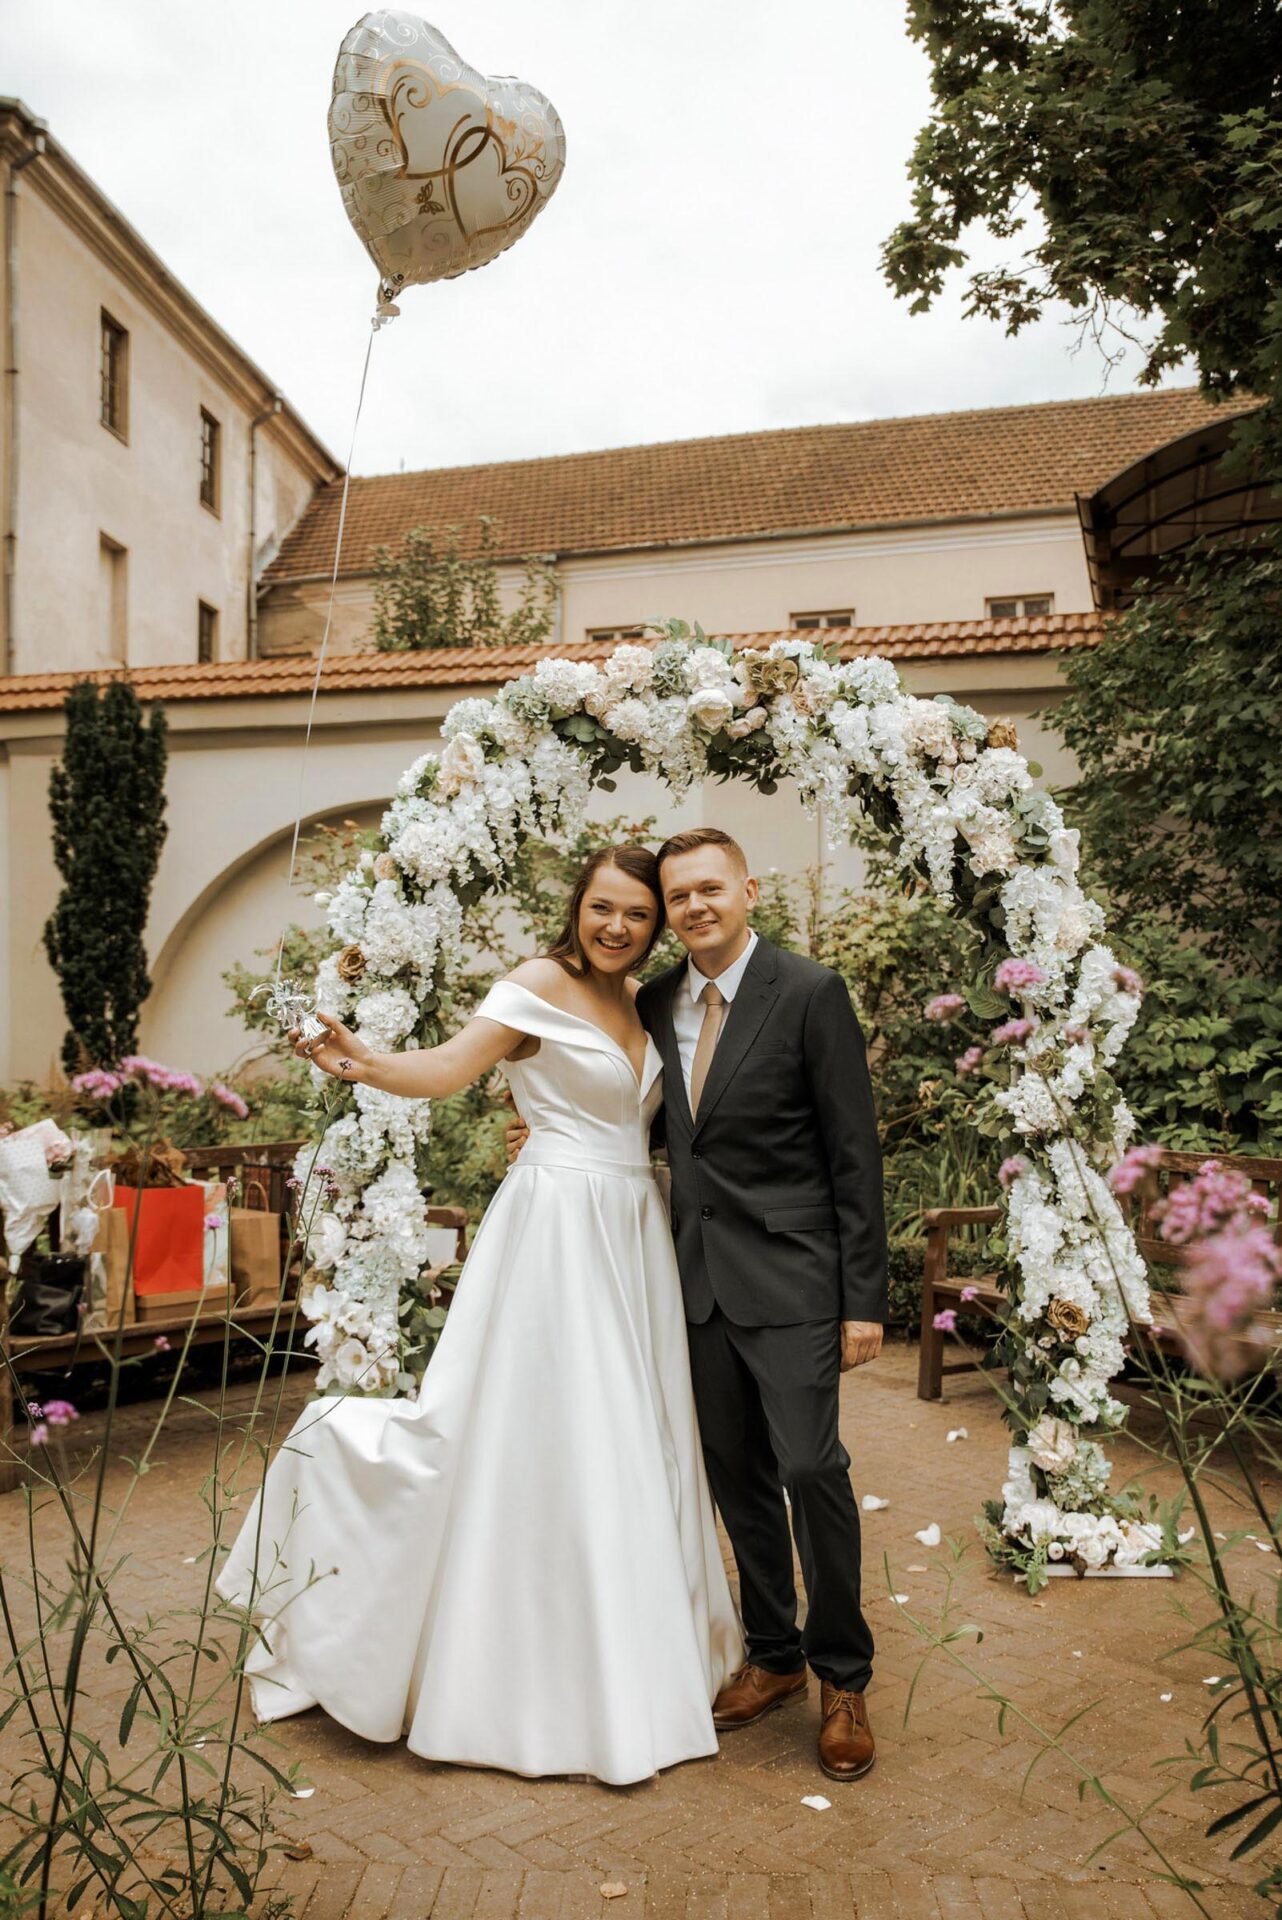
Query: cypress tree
[(107, 802)]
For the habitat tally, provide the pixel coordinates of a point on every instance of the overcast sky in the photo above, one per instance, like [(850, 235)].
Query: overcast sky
[(708, 265)]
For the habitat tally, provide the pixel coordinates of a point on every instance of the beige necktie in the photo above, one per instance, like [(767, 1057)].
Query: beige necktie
[(714, 1013)]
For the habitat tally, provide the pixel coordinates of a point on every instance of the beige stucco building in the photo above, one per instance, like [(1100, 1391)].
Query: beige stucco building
[(148, 469), (952, 543)]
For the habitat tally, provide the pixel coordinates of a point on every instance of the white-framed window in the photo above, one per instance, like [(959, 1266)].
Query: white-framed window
[(206, 633), (616, 634), (827, 617), (1021, 606)]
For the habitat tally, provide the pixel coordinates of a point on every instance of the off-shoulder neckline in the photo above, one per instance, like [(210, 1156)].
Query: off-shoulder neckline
[(598, 1030)]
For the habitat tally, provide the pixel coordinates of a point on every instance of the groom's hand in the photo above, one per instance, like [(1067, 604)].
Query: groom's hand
[(517, 1133), (860, 1341)]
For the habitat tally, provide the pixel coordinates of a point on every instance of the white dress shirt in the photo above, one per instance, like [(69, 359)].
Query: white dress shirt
[(688, 1010)]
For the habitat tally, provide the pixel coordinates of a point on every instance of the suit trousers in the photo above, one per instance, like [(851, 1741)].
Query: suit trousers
[(767, 1405)]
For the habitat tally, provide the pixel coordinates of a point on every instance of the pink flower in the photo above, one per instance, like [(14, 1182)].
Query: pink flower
[(968, 1062), (97, 1084), (212, 1222), (944, 1006), (58, 1150), (34, 1410), (1229, 1280), (161, 1343), (1131, 1168), (1076, 1036), (60, 1413), (1015, 976), (1126, 980), (39, 1436), (1206, 1204), (227, 1098), (1012, 1031), (946, 1321), (969, 1293), (1009, 1171), (165, 1079)]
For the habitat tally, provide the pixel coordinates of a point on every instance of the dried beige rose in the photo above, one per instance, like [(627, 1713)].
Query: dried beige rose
[(1067, 1318), (1002, 733), (350, 965)]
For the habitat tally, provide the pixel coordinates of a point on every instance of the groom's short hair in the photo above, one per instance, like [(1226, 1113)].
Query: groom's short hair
[(697, 837)]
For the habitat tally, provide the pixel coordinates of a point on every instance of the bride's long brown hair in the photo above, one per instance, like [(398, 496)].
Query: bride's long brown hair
[(639, 864)]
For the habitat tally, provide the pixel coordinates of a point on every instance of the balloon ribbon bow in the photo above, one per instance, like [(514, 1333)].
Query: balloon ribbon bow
[(291, 1007)]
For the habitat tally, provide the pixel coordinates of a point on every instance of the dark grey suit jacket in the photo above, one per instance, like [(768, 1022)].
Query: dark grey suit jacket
[(776, 1188)]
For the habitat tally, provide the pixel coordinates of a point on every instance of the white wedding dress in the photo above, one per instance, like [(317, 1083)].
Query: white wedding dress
[(520, 1569)]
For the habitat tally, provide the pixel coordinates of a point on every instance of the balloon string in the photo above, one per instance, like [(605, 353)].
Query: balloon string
[(324, 645)]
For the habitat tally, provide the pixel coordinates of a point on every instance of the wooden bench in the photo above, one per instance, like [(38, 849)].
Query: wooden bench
[(267, 1167), (940, 1289)]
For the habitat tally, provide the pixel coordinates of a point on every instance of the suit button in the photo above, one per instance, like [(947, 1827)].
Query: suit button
[(695, 1153), (706, 1213)]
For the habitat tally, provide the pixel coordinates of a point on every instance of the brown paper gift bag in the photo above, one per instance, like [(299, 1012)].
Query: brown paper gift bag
[(112, 1247), (255, 1251)]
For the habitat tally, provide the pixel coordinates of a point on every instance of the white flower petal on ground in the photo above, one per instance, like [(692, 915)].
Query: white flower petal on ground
[(1166, 1696), (302, 1793), (957, 1433), (873, 1503), (930, 1536), (900, 1599), (817, 1801)]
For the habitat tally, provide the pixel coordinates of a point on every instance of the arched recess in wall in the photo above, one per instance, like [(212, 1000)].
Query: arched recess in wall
[(187, 1021)]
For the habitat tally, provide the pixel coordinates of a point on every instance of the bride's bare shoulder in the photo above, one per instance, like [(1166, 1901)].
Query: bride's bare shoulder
[(543, 977)]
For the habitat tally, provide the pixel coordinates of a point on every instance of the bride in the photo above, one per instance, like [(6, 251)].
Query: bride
[(520, 1569)]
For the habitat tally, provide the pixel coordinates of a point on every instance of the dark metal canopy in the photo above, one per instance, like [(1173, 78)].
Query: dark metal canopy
[(1193, 488)]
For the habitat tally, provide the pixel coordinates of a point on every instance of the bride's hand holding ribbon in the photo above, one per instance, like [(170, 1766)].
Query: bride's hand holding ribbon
[(340, 1053)]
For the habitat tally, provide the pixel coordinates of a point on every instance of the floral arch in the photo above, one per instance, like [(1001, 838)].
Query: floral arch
[(959, 803)]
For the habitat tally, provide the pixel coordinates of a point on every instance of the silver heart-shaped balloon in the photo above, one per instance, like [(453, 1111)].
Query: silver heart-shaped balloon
[(441, 167)]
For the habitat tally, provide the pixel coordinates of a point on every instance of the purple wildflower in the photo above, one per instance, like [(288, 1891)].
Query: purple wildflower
[(944, 1006), (1229, 1280), (60, 1413), (945, 1321), (969, 1293), (1009, 1171), (968, 1062), (1016, 976), (227, 1097), (96, 1084), (162, 1343), (1131, 1169), (212, 1222), (1208, 1203), (34, 1410), (39, 1435), (1126, 980)]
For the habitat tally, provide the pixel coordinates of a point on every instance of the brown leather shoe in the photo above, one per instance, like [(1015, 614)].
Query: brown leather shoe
[(751, 1692), (846, 1749)]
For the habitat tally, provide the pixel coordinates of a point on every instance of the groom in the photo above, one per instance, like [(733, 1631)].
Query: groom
[(778, 1219)]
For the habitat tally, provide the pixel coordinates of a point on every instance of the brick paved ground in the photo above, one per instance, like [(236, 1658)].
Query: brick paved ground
[(940, 1831)]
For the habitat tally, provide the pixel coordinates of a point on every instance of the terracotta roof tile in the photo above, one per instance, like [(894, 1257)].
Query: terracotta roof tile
[(491, 666), (797, 480)]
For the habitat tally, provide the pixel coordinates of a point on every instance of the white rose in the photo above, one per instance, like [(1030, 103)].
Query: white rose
[(708, 667), (1092, 1550), (1052, 1444), (749, 723), (462, 763), (711, 708)]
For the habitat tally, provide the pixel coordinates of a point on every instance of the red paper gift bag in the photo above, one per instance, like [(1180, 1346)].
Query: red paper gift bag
[(170, 1248)]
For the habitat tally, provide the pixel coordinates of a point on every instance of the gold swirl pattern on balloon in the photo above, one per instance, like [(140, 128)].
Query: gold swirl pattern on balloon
[(440, 167)]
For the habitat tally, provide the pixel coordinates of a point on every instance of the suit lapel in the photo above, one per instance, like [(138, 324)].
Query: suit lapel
[(664, 1034), (757, 994)]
